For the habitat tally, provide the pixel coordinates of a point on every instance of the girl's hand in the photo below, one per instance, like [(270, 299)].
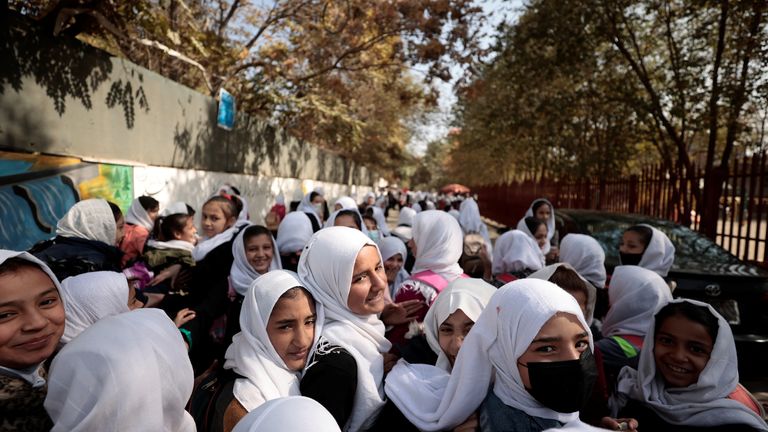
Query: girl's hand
[(622, 424), (168, 273), (401, 313), (184, 316)]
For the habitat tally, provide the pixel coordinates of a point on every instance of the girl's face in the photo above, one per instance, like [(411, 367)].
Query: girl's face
[(214, 220), (452, 332), (392, 267), (152, 213), (631, 243), (119, 230), (291, 329), (561, 338), (541, 236), (259, 252), (681, 349), (370, 224), (189, 233), (543, 213), (31, 318), (133, 303), (345, 221), (366, 295)]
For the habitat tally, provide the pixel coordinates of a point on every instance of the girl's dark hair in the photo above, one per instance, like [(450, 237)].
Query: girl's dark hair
[(533, 224), (255, 230), (569, 280), (355, 216), (644, 232), (149, 203), (231, 206), (698, 314), (13, 265), (371, 218), (293, 292), (312, 195), (116, 212), (167, 226), (539, 203)]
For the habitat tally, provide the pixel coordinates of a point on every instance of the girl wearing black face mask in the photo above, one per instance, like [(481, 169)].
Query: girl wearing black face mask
[(533, 339), (647, 247)]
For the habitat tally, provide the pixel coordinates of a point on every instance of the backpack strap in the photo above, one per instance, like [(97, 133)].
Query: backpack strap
[(628, 344), (741, 394), (506, 277), (313, 220), (433, 279)]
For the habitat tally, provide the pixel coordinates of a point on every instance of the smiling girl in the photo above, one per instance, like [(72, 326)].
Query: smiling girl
[(686, 375), (31, 325)]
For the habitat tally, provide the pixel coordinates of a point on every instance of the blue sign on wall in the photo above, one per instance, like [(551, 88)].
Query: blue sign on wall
[(226, 118)]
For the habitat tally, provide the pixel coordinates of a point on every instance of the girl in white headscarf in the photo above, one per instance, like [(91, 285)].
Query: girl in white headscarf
[(313, 205), (350, 217), (255, 253), (86, 239), (406, 217), (220, 224), (93, 296), (33, 307), (635, 294), (292, 235), (127, 372), (280, 326), (687, 374), (293, 413), (586, 256), (533, 339), (515, 256), (437, 244), (452, 315), (139, 222), (343, 270), (381, 221), (544, 211), (344, 203), (470, 221), (394, 253), (645, 246)]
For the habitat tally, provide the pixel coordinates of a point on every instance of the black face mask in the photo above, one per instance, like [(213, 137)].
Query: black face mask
[(563, 386), (630, 259)]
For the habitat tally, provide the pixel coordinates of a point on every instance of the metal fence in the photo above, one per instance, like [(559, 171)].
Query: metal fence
[(742, 223)]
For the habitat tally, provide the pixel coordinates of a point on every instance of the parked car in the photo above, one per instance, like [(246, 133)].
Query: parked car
[(702, 271)]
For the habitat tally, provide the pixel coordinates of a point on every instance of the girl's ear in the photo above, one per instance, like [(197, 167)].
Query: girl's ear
[(231, 221)]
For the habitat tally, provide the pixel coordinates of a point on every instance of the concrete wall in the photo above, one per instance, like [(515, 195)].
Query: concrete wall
[(62, 97)]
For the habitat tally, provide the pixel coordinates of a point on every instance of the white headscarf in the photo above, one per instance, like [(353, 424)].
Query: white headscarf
[(326, 267), (171, 244), (516, 251), (406, 216), (547, 272), (381, 220), (32, 375), (702, 404), (660, 253), (550, 223), (242, 274), (292, 413), (252, 355), (439, 243), (635, 294), (389, 247), (90, 219), (332, 219), (346, 203), (433, 400), (586, 256), (470, 221), (91, 297), (294, 232), (306, 206), (469, 295), (128, 372), (137, 215), (177, 207), (204, 247)]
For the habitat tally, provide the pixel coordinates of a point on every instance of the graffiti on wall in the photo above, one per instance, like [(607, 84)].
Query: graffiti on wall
[(37, 190)]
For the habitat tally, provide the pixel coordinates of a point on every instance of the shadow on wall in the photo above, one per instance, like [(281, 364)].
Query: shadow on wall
[(36, 191), (65, 69)]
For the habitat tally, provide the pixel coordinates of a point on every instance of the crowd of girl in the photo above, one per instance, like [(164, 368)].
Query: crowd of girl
[(326, 319)]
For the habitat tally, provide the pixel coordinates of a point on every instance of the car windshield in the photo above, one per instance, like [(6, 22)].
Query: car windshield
[(691, 248)]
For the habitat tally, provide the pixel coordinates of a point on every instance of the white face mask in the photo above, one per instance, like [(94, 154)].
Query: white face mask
[(318, 208), (374, 235)]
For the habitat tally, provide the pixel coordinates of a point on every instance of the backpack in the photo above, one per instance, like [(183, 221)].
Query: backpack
[(208, 388)]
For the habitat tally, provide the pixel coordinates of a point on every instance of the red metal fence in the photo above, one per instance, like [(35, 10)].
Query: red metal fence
[(742, 225)]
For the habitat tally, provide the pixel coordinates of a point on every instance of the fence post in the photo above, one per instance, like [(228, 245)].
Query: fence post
[(633, 194)]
